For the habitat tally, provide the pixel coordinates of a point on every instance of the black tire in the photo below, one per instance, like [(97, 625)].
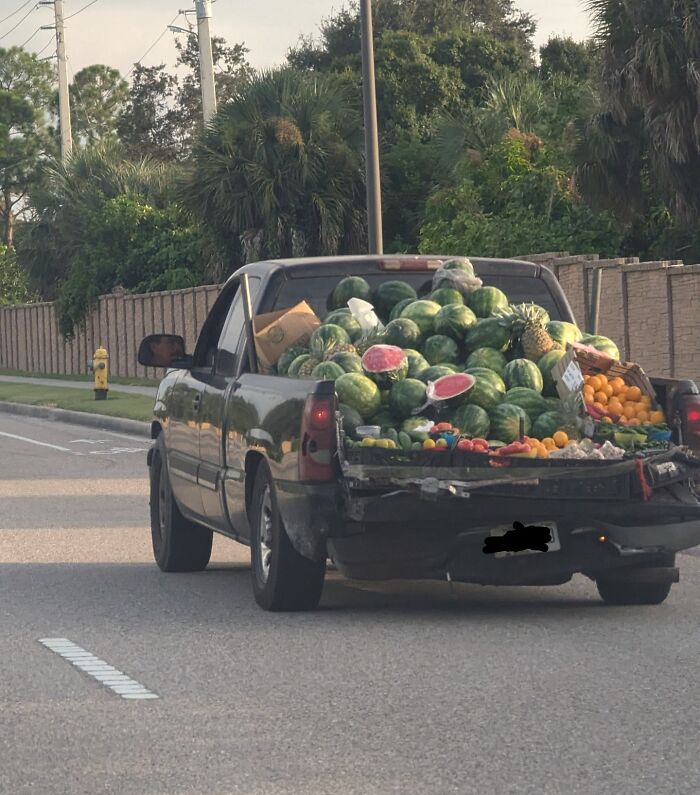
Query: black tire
[(282, 578), (178, 544), (632, 593)]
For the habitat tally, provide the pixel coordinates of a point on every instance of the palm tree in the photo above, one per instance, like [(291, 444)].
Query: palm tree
[(279, 170), (649, 127)]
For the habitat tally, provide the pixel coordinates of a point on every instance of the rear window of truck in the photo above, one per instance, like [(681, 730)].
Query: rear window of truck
[(315, 290)]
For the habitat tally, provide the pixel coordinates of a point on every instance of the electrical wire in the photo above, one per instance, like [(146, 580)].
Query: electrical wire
[(24, 44), (46, 46), (16, 11), (138, 63), (65, 19), (31, 11)]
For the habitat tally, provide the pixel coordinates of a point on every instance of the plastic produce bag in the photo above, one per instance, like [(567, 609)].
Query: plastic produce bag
[(365, 315), (463, 280)]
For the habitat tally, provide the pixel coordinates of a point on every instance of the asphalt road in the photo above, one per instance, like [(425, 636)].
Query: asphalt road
[(387, 688)]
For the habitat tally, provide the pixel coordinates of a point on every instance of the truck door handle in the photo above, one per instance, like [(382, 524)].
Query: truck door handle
[(196, 402)]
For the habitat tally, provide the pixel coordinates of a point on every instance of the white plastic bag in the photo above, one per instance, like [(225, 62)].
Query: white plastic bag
[(365, 315), (466, 281)]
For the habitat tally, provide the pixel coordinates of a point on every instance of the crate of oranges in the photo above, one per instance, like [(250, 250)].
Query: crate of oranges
[(613, 392)]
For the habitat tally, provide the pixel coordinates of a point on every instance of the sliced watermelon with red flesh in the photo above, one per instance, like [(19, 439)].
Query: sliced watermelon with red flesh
[(385, 365), (450, 390)]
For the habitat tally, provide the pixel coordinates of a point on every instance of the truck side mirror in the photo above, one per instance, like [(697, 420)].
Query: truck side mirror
[(163, 350)]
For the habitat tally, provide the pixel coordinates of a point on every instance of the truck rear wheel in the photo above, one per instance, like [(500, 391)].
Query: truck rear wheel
[(628, 593), (178, 544), (282, 578)]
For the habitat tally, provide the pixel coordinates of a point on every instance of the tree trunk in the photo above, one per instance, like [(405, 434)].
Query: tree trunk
[(8, 235)]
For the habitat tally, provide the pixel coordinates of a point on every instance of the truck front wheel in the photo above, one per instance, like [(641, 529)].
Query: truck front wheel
[(282, 578), (629, 593), (178, 544)]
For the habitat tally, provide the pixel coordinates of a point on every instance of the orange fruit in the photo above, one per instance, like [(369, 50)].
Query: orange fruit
[(646, 400), (633, 421), (618, 385), (600, 407), (642, 415), (549, 443), (629, 410), (588, 390), (607, 388), (657, 417), (615, 406), (560, 438), (601, 397), (634, 393), (606, 420), (595, 382)]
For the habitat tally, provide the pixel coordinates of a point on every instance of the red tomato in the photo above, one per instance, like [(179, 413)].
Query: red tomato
[(443, 426), (480, 445), (465, 445)]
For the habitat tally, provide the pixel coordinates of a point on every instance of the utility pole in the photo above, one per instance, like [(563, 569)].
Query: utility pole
[(63, 95), (369, 94), (206, 59)]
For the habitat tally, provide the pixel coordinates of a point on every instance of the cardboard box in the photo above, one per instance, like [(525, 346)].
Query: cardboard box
[(581, 360), (277, 331)]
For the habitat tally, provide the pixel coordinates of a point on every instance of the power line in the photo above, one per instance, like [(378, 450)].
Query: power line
[(31, 11), (16, 11), (24, 44), (46, 46), (81, 10), (138, 63)]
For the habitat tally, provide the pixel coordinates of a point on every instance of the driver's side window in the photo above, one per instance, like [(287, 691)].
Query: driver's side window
[(231, 337), (205, 350)]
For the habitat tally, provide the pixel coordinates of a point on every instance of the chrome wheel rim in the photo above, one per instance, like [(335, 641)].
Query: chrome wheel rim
[(265, 536)]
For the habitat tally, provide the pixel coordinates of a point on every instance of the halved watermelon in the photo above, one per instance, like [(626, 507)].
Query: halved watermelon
[(450, 390), (385, 365)]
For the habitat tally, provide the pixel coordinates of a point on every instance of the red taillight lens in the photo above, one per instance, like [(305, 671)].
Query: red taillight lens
[(318, 439), (690, 416)]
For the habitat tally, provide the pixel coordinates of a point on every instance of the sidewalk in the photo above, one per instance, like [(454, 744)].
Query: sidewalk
[(150, 391)]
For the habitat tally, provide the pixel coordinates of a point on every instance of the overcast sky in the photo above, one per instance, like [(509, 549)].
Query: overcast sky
[(118, 32)]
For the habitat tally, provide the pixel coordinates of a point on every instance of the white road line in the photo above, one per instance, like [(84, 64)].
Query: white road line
[(34, 441), (99, 670)]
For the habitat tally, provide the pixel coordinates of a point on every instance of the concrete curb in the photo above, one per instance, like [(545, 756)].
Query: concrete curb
[(116, 424)]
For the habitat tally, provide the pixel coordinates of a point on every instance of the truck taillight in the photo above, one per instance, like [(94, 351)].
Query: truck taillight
[(690, 421), (318, 439)]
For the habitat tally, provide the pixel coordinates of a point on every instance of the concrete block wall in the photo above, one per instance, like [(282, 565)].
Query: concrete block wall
[(650, 309)]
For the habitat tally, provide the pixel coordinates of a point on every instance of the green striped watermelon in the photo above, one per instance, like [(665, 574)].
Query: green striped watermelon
[(553, 403), (602, 344), (350, 287), (523, 372), (402, 332), (530, 401), (385, 419), (486, 300), (545, 364), (350, 362), (433, 373), (487, 357), (288, 357), (484, 393), (454, 320), (422, 313), (325, 338), (358, 392), (387, 294), (440, 349), (416, 362), (295, 366), (546, 425), (351, 420), (409, 426), (407, 396), (446, 295), (563, 333), (490, 375), (346, 321), (487, 333), (506, 422), (327, 371), (398, 309), (472, 421)]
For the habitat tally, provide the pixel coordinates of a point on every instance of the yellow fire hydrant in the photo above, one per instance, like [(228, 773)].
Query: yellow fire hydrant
[(100, 367)]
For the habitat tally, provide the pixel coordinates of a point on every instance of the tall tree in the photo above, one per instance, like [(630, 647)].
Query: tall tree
[(648, 129), (98, 94), (26, 100), (278, 172)]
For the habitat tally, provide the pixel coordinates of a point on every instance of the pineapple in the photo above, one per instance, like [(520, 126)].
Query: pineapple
[(345, 347), (365, 343), (527, 324), (308, 367), (570, 414)]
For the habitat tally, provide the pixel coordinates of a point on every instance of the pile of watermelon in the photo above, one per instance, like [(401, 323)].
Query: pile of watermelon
[(440, 357)]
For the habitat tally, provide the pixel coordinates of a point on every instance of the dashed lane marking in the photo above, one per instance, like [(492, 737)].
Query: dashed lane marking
[(98, 669)]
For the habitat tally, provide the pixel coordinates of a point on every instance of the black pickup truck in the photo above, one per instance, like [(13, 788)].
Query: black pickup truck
[(259, 459)]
